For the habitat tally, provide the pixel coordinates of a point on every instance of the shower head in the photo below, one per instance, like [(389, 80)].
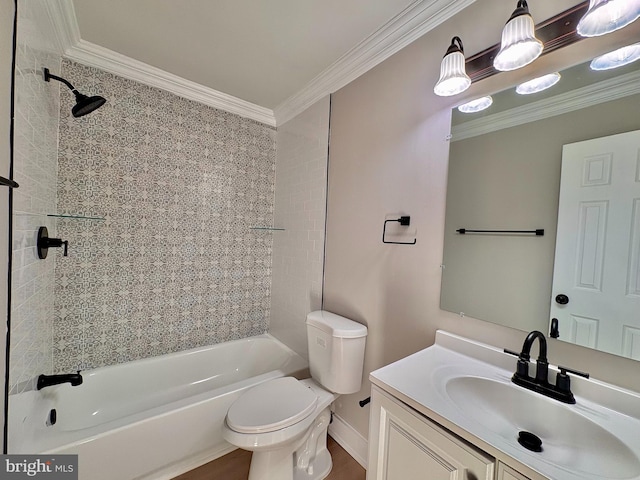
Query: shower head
[(84, 104)]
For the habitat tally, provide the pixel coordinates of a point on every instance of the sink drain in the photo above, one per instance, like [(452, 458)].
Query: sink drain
[(530, 441)]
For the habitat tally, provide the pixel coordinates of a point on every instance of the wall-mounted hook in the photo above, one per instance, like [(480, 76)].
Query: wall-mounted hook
[(405, 221), (44, 243)]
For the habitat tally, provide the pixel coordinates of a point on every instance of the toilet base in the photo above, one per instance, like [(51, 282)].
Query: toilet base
[(321, 468), (271, 465), (310, 461), (275, 466)]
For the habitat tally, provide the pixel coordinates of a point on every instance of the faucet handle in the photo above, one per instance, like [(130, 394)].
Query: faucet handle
[(522, 355), (565, 370), (522, 367), (563, 381)]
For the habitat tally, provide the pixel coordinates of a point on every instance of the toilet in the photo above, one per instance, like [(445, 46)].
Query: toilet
[(284, 421)]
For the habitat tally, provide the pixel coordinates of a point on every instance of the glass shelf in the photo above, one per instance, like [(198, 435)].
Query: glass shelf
[(267, 229), (76, 217), (57, 215)]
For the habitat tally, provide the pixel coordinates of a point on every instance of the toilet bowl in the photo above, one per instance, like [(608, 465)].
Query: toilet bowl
[(288, 440), (284, 421)]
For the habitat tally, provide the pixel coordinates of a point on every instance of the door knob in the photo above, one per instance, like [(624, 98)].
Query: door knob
[(554, 332), (562, 299)]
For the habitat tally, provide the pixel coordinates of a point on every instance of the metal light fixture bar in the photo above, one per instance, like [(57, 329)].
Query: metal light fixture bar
[(555, 33)]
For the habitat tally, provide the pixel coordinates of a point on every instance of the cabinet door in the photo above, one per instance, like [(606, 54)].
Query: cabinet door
[(507, 473), (404, 445)]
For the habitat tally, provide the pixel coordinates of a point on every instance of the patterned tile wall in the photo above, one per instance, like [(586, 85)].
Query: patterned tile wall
[(35, 164), (175, 264), (298, 252)]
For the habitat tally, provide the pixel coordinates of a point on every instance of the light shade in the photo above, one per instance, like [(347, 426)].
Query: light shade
[(618, 58), (606, 16), (538, 84), (476, 105), (519, 45), (453, 78)]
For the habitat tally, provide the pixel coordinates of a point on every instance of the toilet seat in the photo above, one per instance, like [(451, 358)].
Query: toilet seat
[(272, 406)]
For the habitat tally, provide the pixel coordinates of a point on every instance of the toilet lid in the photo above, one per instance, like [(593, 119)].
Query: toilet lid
[(271, 406)]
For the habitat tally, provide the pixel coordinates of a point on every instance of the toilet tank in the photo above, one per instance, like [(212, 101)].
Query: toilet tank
[(336, 351)]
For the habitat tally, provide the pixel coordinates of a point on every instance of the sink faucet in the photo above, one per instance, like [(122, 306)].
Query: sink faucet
[(542, 365), (74, 379), (540, 383)]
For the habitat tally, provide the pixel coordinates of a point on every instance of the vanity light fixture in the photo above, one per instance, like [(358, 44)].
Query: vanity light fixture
[(476, 105), (618, 58), (538, 84), (605, 16), (519, 45), (84, 104), (453, 78)]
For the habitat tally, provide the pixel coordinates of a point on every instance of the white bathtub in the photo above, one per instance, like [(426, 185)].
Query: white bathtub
[(149, 419)]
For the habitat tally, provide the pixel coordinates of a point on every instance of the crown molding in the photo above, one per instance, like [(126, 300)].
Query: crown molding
[(99, 57), (605, 91), (413, 22), (71, 46), (65, 24)]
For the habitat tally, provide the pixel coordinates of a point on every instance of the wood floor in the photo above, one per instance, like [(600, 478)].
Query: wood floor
[(235, 466)]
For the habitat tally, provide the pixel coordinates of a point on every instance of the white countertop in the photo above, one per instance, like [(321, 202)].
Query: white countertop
[(421, 379)]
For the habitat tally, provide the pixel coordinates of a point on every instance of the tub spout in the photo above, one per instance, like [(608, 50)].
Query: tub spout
[(74, 379)]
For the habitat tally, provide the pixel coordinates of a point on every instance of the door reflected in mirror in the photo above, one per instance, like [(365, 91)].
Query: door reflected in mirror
[(596, 275)]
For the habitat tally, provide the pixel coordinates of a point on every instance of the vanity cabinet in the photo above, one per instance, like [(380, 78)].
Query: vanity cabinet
[(405, 445)]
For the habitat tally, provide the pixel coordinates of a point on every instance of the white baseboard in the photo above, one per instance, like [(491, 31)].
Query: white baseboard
[(350, 439)]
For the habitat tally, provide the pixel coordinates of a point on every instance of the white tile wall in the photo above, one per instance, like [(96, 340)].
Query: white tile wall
[(300, 207), (35, 164)]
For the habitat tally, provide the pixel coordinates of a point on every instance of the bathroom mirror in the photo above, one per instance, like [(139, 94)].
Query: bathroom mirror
[(504, 174)]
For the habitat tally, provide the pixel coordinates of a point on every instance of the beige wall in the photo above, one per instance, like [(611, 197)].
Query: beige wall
[(6, 53), (510, 179), (300, 208), (389, 155)]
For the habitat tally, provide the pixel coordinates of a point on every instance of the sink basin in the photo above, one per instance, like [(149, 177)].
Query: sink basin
[(570, 440)]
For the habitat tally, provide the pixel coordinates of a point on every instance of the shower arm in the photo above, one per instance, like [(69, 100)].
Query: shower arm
[(48, 75)]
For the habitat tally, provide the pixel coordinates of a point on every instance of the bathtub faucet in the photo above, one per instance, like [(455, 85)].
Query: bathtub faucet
[(74, 379)]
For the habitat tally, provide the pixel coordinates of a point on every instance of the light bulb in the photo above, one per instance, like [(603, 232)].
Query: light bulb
[(453, 78), (476, 105), (538, 84), (618, 58), (605, 16), (519, 45)]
